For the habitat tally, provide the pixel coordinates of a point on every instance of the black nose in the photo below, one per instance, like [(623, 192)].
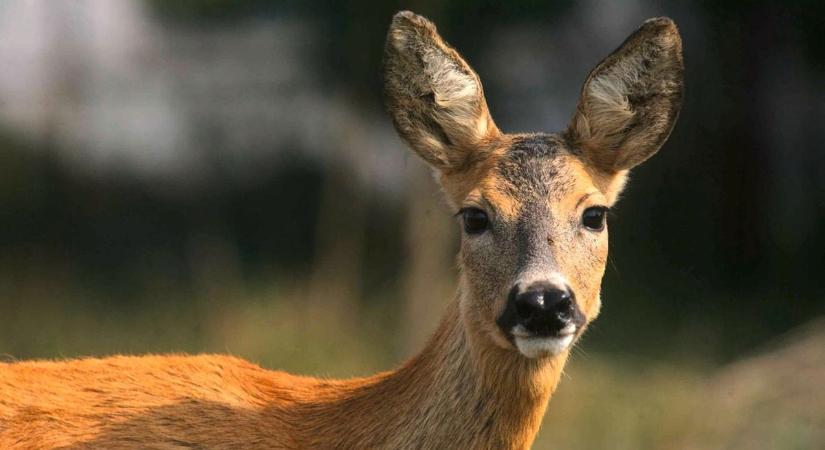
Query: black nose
[(544, 307)]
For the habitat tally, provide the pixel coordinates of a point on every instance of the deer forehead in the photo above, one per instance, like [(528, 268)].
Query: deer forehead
[(528, 171)]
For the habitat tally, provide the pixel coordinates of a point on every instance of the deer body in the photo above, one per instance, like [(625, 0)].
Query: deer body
[(534, 247), (222, 402)]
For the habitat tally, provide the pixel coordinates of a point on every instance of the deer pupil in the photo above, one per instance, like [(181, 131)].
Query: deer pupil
[(475, 221), (593, 218)]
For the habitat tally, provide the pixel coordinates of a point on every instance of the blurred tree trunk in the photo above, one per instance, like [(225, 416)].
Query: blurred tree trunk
[(429, 280), (336, 281)]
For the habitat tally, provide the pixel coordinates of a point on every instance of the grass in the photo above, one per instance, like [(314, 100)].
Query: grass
[(287, 334), (603, 403)]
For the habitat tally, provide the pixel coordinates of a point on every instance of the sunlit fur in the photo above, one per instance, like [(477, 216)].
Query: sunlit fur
[(474, 385)]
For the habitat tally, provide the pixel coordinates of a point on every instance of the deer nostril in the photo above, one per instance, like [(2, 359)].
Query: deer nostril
[(564, 307), (544, 303), (541, 309), (529, 303)]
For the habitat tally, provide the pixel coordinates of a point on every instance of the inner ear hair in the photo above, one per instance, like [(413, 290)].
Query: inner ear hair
[(435, 99), (630, 101)]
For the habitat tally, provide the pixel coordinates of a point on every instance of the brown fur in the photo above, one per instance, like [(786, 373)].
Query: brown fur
[(630, 101), (435, 98), (222, 402), (470, 388)]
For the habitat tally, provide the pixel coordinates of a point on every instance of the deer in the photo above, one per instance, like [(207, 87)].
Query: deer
[(531, 208)]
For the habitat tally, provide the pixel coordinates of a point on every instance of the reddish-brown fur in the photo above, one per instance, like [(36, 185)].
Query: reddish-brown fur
[(471, 387), (222, 402)]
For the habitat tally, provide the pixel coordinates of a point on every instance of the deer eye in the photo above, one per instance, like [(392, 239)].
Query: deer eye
[(593, 218), (475, 220)]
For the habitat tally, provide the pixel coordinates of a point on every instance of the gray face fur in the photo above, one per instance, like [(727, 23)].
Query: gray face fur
[(534, 195), (533, 188)]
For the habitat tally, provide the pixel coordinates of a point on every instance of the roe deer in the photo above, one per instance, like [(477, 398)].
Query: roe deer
[(533, 249)]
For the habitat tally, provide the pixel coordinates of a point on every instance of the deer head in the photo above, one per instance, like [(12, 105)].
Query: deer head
[(532, 207)]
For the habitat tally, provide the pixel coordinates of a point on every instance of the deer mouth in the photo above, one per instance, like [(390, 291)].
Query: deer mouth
[(535, 345)]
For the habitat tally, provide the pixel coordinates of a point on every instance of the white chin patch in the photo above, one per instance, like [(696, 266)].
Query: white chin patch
[(535, 347)]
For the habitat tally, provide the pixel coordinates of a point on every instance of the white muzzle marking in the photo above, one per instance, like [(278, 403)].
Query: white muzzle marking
[(538, 346)]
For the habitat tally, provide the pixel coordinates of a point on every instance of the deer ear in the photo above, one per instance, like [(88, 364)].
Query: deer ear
[(630, 101), (435, 98)]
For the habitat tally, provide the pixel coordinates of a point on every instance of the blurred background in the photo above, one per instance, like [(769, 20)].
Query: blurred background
[(220, 176)]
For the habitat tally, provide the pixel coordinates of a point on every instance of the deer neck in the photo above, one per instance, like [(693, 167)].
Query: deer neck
[(456, 393)]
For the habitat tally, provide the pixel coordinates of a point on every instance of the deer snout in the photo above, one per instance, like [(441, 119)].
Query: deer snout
[(541, 318), (544, 309), (545, 304)]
